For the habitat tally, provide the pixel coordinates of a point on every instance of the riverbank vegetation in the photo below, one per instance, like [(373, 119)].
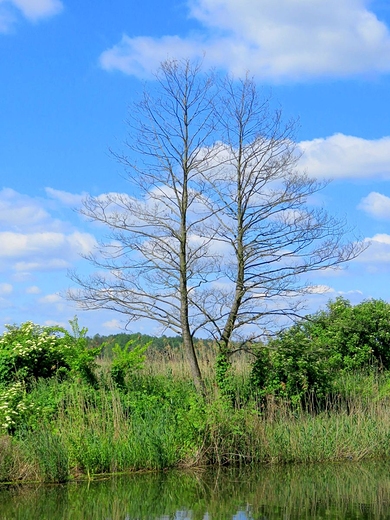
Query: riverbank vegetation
[(319, 391)]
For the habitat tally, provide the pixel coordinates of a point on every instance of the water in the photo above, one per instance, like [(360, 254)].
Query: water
[(339, 491)]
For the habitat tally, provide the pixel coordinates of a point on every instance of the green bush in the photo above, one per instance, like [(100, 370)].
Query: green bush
[(293, 368), (29, 352), (126, 360), (354, 337), (303, 360)]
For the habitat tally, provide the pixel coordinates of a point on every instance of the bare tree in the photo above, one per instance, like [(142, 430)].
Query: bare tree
[(217, 232)]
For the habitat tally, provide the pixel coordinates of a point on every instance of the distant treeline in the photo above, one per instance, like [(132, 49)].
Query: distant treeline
[(160, 344)]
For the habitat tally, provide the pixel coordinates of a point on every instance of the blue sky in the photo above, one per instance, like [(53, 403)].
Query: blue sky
[(70, 69)]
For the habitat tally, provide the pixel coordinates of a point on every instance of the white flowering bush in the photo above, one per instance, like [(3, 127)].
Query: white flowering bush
[(14, 406), (29, 352)]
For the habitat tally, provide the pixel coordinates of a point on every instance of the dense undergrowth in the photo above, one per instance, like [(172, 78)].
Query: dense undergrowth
[(160, 422), (66, 414)]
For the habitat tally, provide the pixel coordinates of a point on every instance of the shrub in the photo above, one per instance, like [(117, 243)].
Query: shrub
[(293, 368), (29, 352), (304, 359), (354, 337), (126, 360), (14, 406)]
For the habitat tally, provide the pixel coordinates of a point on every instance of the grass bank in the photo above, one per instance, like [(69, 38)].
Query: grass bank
[(71, 430)]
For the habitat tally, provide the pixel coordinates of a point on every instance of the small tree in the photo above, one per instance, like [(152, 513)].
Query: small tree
[(215, 233)]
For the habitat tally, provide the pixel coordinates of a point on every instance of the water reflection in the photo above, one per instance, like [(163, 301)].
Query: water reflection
[(339, 491)]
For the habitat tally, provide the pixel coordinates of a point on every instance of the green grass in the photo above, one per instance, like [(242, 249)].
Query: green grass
[(158, 421)]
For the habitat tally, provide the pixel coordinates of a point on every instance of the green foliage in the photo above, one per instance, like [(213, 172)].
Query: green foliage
[(126, 360), (293, 368), (158, 422), (304, 360), (29, 352), (80, 356), (6, 459), (261, 370), (61, 424), (152, 423), (223, 373), (354, 337), (14, 406)]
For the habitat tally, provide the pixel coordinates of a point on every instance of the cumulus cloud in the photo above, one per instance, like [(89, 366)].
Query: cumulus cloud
[(50, 298), (55, 323), (66, 198), (36, 9), (347, 157), (16, 245), (42, 251), (376, 205), (275, 40), (320, 289), (32, 10), (377, 255), (44, 265), (6, 19), (142, 55), (32, 239), (18, 211), (113, 324)]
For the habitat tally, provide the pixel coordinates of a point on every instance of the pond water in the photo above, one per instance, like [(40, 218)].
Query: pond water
[(337, 491)]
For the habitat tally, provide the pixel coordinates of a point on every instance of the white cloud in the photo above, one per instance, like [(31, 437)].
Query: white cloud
[(274, 40), (45, 265), (320, 289), (80, 243), (378, 252), (7, 19), (141, 56), (113, 324), (6, 288), (36, 9), (352, 292), (18, 211), (66, 198), (31, 239), (55, 323), (381, 238), (33, 289), (50, 298), (345, 156), (376, 205), (32, 10), (16, 245)]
